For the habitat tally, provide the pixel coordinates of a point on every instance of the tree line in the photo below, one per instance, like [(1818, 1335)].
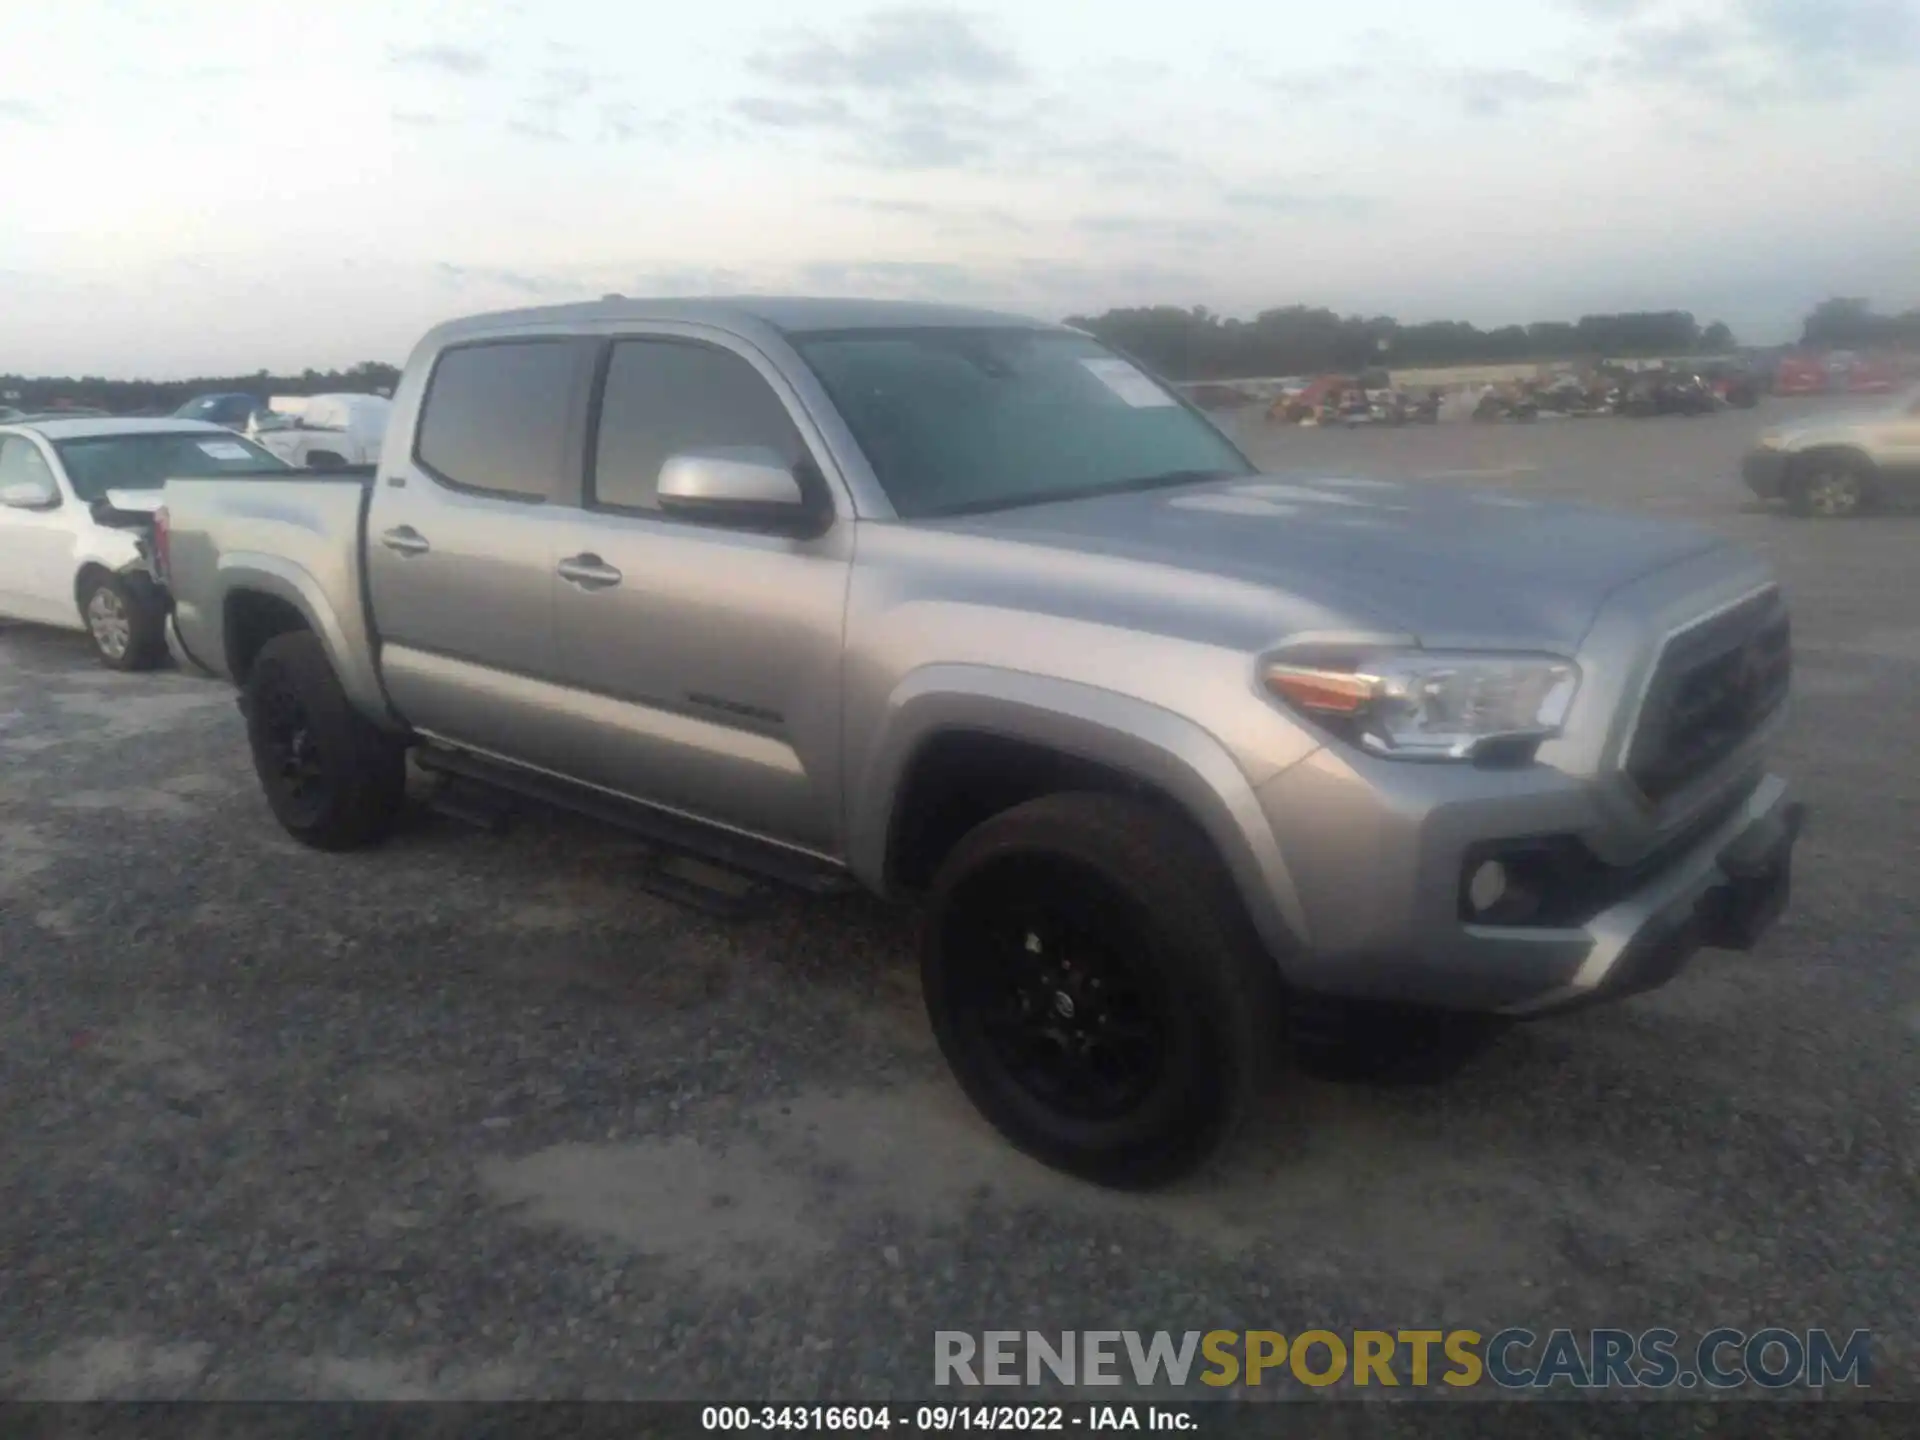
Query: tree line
[(1197, 344), (162, 397), (1191, 344), (1851, 324)]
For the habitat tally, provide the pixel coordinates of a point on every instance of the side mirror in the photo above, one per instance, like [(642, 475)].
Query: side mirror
[(745, 486), (37, 494)]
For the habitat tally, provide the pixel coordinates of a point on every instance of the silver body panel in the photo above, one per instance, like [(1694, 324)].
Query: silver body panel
[(782, 686)]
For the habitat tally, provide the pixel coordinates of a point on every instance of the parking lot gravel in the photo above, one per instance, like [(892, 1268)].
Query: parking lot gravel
[(472, 1116)]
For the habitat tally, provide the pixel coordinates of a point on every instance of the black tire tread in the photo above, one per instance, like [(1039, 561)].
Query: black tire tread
[(1167, 865), (369, 767), (146, 616), (1804, 467)]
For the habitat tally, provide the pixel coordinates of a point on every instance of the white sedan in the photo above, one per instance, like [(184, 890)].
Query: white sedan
[(75, 502)]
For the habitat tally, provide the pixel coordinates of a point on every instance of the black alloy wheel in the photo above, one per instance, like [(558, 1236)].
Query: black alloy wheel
[(1061, 995), (290, 754)]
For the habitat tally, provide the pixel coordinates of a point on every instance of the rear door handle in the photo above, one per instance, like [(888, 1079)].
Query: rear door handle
[(589, 572), (405, 540)]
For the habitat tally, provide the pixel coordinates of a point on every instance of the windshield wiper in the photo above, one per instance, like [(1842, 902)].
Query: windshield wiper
[(1165, 479)]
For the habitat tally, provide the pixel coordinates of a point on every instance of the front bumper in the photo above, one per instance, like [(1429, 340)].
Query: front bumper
[(1724, 893), (1379, 873), (1765, 472)]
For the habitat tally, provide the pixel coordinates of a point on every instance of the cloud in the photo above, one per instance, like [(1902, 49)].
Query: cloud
[(1704, 59), (620, 121), (415, 119), (899, 49), (453, 59), (782, 114), (931, 135), (459, 276), (20, 112), (554, 98), (680, 280), (1491, 91), (911, 89), (1132, 72), (560, 85), (940, 280), (1150, 227), (1116, 160), (1828, 43), (943, 221), (888, 207), (1296, 202), (1321, 84), (1754, 52)]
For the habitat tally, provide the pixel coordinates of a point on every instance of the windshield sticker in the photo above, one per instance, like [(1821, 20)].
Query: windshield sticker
[(223, 450), (1129, 383)]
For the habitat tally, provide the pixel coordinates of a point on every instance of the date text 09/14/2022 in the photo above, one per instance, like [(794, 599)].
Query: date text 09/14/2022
[(866, 1419)]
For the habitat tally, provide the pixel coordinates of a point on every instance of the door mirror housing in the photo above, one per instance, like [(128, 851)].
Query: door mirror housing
[(749, 487), (36, 494)]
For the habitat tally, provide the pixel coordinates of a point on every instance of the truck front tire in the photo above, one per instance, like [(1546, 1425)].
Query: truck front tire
[(1096, 988), (333, 779)]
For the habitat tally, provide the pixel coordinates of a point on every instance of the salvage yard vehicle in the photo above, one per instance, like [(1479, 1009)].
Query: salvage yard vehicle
[(76, 501), (1841, 463), (230, 409), (1668, 393), (328, 433), (1180, 759)]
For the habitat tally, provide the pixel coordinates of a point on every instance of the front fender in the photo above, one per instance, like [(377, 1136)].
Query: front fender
[(348, 647), (1153, 745)]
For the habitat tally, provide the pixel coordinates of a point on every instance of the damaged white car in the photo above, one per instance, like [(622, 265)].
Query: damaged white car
[(76, 508)]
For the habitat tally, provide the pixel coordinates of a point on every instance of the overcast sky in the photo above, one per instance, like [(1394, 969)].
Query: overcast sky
[(198, 187)]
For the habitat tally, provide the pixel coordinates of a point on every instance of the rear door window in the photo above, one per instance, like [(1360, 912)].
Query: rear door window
[(495, 417)]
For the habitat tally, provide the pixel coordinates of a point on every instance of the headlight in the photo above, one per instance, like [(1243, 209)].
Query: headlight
[(1422, 705)]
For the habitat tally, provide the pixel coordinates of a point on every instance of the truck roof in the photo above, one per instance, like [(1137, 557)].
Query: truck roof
[(786, 314)]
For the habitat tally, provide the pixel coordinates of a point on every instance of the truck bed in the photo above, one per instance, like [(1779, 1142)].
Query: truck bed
[(300, 538)]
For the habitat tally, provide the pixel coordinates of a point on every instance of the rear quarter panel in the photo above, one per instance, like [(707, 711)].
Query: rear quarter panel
[(297, 540)]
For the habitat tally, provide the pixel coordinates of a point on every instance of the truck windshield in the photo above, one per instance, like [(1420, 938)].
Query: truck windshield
[(99, 463), (959, 419)]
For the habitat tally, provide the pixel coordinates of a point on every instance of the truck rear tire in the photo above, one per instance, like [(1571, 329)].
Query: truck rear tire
[(333, 779), (1096, 988)]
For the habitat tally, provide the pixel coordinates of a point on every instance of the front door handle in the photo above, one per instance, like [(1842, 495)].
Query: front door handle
[(405, 540), (589, 572)]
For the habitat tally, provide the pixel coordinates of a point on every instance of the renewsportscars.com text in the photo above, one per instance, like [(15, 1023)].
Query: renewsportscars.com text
[(1513, 1359)]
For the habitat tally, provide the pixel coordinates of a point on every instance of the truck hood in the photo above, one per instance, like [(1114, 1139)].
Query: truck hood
[(1450, 565)]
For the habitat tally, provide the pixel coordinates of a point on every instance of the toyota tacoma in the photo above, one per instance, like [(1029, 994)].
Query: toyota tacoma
[(974, 611)]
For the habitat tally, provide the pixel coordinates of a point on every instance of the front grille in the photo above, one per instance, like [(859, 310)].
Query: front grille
[(1716, 684)]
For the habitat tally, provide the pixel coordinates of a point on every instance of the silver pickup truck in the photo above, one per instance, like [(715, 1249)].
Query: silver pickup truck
[(971, 609)]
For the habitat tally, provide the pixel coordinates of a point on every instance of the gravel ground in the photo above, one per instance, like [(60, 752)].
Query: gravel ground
[(470, 1116)]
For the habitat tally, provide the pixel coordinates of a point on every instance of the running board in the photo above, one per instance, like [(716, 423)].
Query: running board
[(727, 849)]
